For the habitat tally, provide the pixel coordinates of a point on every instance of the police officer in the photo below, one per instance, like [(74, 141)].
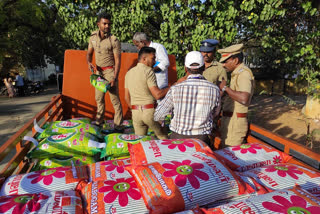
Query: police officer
[(234, 122), (214, 71), (141, 92), (107, 50)]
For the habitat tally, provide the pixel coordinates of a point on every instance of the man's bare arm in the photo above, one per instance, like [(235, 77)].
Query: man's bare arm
[(89, 58), (158, 93)]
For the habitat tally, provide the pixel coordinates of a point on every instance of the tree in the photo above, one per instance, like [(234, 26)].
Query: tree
[(29, 32), (282, 34)]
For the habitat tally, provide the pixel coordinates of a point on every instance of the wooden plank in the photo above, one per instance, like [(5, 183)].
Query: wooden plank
[(18, 136), (15, 160), (288, 144)]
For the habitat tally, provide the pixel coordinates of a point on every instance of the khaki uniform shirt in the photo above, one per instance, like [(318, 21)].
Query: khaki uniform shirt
[(104, 48), (215, 72), (242, 79), (137, 81)]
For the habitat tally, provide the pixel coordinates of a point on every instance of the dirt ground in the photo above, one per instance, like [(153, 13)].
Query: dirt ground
[(273, 113), (283, 115)]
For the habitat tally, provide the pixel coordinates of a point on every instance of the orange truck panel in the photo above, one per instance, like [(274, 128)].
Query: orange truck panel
[(76, 82)]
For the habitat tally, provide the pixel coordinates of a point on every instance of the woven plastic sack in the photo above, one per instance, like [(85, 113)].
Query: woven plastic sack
[(109, 170), (173, 186), (109, 124), (99, 83), (68, 126), (113, 196), (252, 188), (48, 202), (117, 144), (162, 150), (56, 179), (251, 155), (282, 176), (55, 162), (76, 143), (292, 201)]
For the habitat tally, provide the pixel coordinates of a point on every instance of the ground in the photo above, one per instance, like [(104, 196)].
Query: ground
[(273, 113), (283, 115)]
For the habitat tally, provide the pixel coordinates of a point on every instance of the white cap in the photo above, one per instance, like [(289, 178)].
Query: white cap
[(194, 57)]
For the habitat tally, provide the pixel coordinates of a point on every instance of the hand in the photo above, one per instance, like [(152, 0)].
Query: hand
[(91, 67), (112, 83), (222, 83), (156, 69)]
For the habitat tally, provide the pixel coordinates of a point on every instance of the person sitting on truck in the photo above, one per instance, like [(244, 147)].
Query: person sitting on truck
[(107, 50), (195, 102), (141, 93), (234, 122), (162, 60)]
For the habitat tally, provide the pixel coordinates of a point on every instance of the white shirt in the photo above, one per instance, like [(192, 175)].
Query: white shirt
[(163, 59)]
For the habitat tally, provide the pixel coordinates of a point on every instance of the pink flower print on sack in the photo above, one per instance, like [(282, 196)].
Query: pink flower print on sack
[(184, 171), (21, 203), (181, 144), (121, 187), (111, 165), (277, 159), (296, 205), (47, 175), (283, 170), (244, 148)]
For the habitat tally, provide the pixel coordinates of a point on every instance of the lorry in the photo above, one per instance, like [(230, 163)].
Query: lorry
[(77, 100)]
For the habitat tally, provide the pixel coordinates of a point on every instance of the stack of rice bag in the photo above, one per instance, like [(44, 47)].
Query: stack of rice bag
[(140, 174), (64, 143)]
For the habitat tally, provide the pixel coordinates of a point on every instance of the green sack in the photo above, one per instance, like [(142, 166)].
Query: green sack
[(99, 83), (69, 144), (68, 126), (54, 162), (117, 144)]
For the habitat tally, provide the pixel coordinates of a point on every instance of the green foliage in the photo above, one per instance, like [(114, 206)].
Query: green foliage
[(281, 36)]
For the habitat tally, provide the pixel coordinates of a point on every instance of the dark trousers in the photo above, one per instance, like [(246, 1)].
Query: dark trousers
[(20, 91), (205, 138)]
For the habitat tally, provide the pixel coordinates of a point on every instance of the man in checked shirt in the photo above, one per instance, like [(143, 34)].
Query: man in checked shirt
[(194, 100)]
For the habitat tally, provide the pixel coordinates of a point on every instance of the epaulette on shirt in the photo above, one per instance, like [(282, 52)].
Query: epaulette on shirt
[(94, 33)]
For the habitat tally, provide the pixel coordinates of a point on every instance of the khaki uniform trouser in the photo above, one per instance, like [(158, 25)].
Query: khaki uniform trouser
[(108, 74), (143, 119), (233, 130)]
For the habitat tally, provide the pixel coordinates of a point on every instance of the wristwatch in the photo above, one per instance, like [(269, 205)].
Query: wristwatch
[(224, 88)]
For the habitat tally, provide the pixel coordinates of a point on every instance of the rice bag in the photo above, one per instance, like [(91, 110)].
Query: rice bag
[(282, 176), (69, 144), (113, 196), (56, 179), (55, 162), (99, 83), (251, 155), (291, 201), (48, 202), (68, 126), (109, 124), (195, 179), (252, 188), (162, 150), (109, 170), (117, 144)]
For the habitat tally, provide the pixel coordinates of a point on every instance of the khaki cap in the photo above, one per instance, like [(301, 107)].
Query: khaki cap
[(227, 52)]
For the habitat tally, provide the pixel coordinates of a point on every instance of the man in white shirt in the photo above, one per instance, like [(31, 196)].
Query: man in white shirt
[(162, 61)]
